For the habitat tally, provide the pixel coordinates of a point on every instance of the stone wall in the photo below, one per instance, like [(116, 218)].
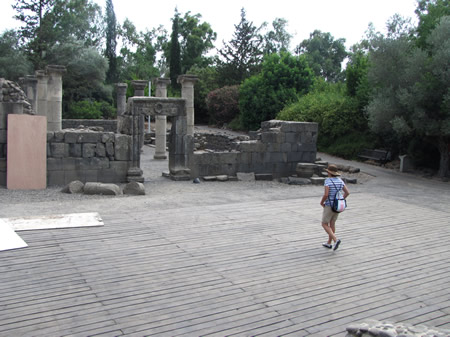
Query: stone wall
[(107, 125), (275, 149), (88, 156)]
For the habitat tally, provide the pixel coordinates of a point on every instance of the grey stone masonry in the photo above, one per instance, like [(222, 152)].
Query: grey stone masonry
[(87, 156), (274, 149)]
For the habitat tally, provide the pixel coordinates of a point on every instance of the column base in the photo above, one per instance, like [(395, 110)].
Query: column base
[(135, 174), (181, 174), (160, 156)]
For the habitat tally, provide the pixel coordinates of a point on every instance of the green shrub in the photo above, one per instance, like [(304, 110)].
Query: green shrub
[(223, 104), (283, 77), (343, 128), (90, 110)]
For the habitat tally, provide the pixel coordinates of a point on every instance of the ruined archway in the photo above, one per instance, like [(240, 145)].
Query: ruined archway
[(180, 143)]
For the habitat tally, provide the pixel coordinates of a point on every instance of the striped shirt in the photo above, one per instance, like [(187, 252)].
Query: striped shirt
[(338, 185)]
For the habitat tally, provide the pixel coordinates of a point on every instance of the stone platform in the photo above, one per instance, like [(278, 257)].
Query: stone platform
[(231, 259)]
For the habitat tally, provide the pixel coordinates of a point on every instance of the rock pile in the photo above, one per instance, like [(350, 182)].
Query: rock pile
[(11, 92), (373, 328)]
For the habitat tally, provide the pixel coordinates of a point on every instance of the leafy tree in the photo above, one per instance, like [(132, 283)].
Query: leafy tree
[(282, 78), (429, 13), (356, 78), (412, 89), (50, 22), (241, 57), (324, 54), (111, 42), (13, 62), (278, 39), (86, 72), (196, 40)]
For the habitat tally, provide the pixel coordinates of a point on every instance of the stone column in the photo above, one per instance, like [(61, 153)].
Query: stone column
[(187, 92), (139, 87), (54, 97), (31, 84), (121, 98), (42, 80), (160, 121)]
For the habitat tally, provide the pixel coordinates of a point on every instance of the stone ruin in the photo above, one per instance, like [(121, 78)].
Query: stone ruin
[(90, 154)]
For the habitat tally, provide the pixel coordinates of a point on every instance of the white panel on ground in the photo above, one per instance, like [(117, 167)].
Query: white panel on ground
[(8, 238), (55, 221)]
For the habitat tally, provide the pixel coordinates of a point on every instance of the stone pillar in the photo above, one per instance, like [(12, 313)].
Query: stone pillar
[(42, 80), (121, 98), (54, 97), (187, 92), (139, 87), (160, 121), (31, 84)]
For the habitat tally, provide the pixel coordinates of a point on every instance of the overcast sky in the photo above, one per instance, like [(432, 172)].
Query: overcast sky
[(347, 19)]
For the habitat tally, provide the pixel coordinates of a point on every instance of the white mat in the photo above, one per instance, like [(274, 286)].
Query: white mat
[(55, 221), (8, 238)]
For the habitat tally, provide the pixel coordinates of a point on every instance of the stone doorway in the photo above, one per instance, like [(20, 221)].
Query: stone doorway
[(180, 143)]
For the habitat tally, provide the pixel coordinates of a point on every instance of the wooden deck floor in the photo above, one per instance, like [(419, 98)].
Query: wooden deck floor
[(235, 269)]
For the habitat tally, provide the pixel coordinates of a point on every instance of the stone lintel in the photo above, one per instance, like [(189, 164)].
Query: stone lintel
[(155, 106), (55, 69)]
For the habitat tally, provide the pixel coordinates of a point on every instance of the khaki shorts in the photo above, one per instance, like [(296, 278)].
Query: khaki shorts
[(328, 215)]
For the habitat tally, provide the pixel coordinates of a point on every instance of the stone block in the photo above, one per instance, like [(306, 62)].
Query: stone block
[(122, 149), (244, 158), (55, 178), (306, 138), (59, 136), (302, 147), (91, 175), (69, 164), (108, 137), (120, 167), (2, 178), (71, 137), (257, 158), (2, 165), (100, 150), (109, 148), (294, 157), (298, 181), (228, 157), (272, 137), (134, 188), (59, 150), (75, 150), (50, 136), (73, 187), (88, 150), (89, 137), (54, 164), (93, 163), (251, 146), (275, 157), (286, 147), (244, 176), (273, 147), (292, 137)]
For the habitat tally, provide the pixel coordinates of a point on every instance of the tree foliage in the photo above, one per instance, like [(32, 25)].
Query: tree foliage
[(111, 42), (411, 89), (324, 54), (277, 40), (429, 13), (13, 61), (282, 78), (241, 57)]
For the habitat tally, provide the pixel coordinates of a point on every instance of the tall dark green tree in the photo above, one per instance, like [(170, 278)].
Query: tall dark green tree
[(174, 54), (241, 57), (324, 54), (429, 13), (13, 61), (111, 42)]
